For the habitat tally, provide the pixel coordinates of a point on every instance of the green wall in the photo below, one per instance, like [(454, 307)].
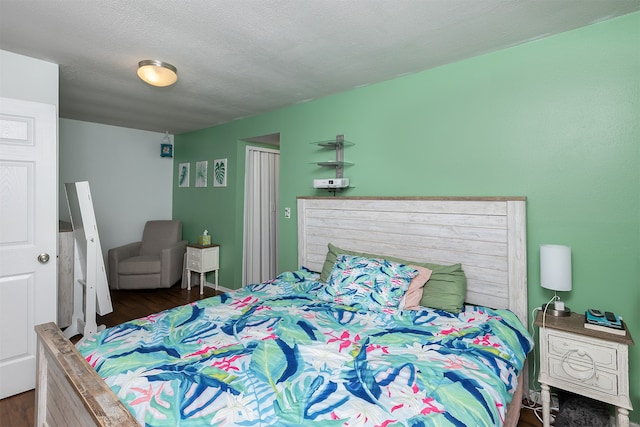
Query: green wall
[(556, 120)]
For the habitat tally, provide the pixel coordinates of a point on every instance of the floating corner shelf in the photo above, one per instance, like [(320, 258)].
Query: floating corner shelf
[(338, 145)]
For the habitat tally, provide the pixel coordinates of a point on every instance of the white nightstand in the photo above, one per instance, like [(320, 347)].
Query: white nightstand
[(583, 361), (202, 259)]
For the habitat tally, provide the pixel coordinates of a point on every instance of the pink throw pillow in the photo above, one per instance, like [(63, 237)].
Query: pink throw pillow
[(414, 293)]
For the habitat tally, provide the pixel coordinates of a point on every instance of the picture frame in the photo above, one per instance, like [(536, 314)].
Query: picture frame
[(183, 174), (220, 172), (166, 150), (201, 173)]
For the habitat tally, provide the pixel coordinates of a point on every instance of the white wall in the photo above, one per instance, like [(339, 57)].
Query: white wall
[(29, 79), (130, 183)]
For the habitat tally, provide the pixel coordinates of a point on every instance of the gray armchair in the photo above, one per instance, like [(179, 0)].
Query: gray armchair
[(154, 262)]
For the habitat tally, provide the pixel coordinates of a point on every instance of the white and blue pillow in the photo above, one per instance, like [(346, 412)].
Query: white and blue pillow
[(375, 284)]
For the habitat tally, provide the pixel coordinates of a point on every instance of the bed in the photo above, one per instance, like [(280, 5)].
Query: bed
[(287, 352)]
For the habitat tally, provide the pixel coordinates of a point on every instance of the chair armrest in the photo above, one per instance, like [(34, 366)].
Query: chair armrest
[(115, 255), (172, 258)]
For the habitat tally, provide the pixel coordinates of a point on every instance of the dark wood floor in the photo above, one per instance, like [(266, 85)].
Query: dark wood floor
[(129, 305), (18, 411), (529, 419)]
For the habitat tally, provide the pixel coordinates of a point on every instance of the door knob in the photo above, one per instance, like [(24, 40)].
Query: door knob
[(43, 258)]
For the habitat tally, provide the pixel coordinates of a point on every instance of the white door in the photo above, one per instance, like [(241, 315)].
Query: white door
[(28, 235), (261, 201)]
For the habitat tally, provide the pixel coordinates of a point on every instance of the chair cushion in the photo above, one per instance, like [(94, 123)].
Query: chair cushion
[(145, 264), (160, 234)]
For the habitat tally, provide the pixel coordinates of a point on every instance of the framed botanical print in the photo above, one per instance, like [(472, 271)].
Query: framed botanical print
[(183, 174), (201, 173), (220, 172)]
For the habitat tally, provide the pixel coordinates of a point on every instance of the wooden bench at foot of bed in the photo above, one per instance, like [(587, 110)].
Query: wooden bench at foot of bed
[(68, 391)]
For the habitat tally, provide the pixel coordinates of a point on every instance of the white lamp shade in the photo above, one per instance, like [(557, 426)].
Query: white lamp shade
[(555, 267)]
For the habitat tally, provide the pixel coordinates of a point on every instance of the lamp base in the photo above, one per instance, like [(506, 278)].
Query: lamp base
[(558, 313)]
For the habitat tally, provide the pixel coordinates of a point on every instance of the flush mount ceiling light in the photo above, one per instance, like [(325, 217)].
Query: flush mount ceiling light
[(157, 73)]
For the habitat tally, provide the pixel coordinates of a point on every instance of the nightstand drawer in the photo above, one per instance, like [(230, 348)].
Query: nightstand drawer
[(193, 258), (586, 376), (582, 350), (193, 264)]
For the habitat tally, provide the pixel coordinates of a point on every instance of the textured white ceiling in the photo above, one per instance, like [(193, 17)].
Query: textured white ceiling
[(238, 58)]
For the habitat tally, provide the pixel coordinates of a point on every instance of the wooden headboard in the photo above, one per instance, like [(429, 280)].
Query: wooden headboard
[(486, 235)]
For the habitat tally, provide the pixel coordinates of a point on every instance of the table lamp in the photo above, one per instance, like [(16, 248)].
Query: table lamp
[(555, 274)]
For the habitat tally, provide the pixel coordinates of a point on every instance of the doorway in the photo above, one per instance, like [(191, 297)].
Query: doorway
[(261, 202)]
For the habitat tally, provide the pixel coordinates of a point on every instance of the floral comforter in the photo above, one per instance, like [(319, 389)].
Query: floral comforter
[(273, 355)]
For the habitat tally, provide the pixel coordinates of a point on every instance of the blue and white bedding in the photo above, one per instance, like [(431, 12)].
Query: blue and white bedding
[(273, 354)]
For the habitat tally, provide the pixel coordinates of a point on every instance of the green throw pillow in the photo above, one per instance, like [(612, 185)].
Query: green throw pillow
[(445, 290)]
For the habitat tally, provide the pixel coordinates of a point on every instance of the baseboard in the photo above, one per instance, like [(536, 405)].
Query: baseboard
[(220, 288)]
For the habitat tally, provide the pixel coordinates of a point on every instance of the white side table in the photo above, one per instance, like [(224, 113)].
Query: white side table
[(583, 361), (202, 259)]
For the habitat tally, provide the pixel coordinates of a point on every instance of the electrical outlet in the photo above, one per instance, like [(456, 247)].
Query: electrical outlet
[(287, 213)]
